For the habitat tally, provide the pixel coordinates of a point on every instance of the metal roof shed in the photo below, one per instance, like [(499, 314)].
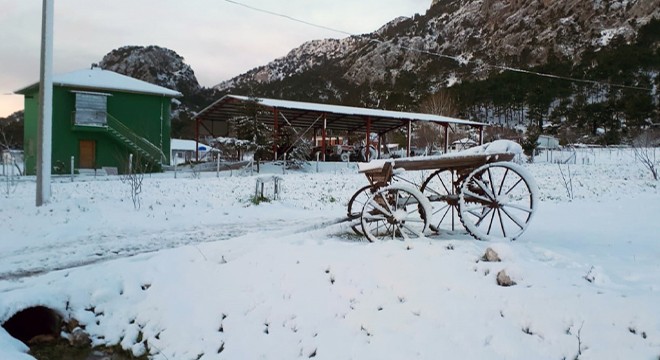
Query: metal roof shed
[(277, 113)]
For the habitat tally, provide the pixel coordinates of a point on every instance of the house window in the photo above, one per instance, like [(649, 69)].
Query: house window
[(91, 108)]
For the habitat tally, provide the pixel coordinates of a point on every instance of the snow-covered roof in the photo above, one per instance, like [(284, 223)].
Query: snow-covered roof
[(305, 114), (97, 78), (187, 145), (350, 110)]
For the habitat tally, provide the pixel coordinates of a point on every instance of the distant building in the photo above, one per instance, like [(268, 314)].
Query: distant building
[(99, 118), (183, 151), (463, 144), (547, 142)]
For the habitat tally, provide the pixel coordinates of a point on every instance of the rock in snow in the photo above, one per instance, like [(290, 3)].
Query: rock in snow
[(491, 256), (503, 279)]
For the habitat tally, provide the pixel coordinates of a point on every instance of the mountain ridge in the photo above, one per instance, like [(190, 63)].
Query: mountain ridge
[(461, 51), (477, 32)]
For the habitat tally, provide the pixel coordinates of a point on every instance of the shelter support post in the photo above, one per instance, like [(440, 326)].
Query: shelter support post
[(368, 140), (275, 132), (481, 135), (380, 142), (316, 137), (197, 139), (323, 135), (446, 137), (409, 138)]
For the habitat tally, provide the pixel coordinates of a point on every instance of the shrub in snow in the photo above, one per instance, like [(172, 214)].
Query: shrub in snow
[(530, 143), (134, 178), (258, 199), (645, 148)]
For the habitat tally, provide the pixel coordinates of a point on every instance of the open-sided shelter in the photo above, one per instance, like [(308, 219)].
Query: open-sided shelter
[(101, 117), (213, 120)]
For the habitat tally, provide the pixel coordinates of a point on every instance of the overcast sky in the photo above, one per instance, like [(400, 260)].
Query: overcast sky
[(217, 38)]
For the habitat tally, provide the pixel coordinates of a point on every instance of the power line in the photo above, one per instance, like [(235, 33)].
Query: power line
[(463, 61), (288, 17), (552, 76), (459, 59)]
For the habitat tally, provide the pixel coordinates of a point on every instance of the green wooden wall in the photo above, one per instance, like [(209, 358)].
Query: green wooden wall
[(146, 115)]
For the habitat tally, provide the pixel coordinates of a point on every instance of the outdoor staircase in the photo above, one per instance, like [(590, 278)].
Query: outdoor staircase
[(138, 145)]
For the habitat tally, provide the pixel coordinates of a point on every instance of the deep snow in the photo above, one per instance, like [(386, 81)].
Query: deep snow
[(201, 272)]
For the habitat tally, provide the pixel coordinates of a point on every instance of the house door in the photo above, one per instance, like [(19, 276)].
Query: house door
[(87, 154)]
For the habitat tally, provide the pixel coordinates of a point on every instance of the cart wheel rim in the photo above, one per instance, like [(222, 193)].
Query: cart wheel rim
[(355, 205), (497, 201), (442, 188), (395, 212)]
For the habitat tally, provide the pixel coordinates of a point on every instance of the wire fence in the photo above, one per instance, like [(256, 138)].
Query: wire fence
[(585, 155)]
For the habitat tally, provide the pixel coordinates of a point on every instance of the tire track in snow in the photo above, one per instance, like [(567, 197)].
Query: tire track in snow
[(32, 261)]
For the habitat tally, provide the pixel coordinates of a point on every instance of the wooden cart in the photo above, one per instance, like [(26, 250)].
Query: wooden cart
[(492, 197)]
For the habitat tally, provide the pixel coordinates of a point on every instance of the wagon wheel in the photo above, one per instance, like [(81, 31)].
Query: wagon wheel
[(497, 201), (395, 211), (356, 204), (441, 188)]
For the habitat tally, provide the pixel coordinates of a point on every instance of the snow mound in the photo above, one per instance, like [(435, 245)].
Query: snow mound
[(496, 147)]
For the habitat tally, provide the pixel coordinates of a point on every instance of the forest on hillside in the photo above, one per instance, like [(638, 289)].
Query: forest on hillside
[(613, 95), (607, 97)]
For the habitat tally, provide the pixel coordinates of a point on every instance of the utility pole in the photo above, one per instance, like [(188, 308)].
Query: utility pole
[(45, 122)]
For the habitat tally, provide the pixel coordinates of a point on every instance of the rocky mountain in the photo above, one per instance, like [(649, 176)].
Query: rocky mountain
[(462, 50), (153, 64), (163, 67), (460, 40)]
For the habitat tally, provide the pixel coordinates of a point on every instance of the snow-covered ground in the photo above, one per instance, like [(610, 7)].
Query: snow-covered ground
[(200, 272)]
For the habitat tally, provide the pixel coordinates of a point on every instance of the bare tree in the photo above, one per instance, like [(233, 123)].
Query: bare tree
[(431, 135), (645, 148), (440, 103), (11, 131), (5, 142), (7, 158), (428, 135), (134, 176), (567, 179), (10, 177)]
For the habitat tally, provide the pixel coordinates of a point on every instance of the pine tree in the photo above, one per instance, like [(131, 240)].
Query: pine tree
[(530, 143), (248, 127)]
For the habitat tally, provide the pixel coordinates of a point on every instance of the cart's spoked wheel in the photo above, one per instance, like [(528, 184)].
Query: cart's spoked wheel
[(395, 211), (441, 190), (497, 201), (356, 204)]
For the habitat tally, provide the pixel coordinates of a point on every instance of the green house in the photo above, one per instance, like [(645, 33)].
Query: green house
[(102, 119)]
